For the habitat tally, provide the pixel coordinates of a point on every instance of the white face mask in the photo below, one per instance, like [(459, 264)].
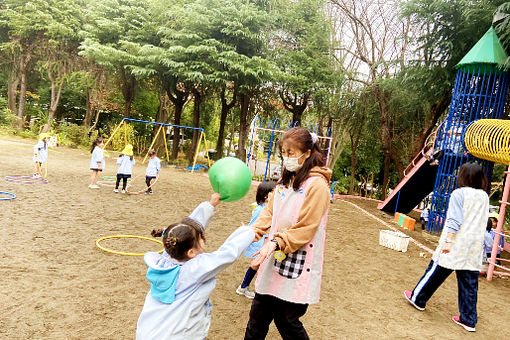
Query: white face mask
[(291, 164)]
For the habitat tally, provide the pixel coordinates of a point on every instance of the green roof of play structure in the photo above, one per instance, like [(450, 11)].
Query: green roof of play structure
[(487, 50)]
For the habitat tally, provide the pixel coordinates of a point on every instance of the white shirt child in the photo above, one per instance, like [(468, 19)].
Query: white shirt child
[(97, 157), (153, 168), (125, 165), (186, 287), (40, 152)]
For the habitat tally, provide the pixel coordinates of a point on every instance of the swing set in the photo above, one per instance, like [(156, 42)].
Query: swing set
[(122, 128), (273, 127)]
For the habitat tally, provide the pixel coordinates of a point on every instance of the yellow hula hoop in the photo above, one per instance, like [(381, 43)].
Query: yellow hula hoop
[(125, 236)]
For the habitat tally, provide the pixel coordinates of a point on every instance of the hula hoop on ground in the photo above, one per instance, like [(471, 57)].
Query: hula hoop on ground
[(106, 183), (141, 191), (125, 236), (11, 196), (26, 179), (39, 168), (112, 179), (109, 181)]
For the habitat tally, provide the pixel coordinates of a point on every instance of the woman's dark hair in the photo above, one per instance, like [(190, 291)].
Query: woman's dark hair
[(180, 237), (152, 152), (302, 139), (97, 141), (472, 175), (263, 190)]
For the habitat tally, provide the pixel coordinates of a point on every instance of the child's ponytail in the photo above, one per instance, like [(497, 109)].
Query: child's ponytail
[(96, 142), (157, 232)]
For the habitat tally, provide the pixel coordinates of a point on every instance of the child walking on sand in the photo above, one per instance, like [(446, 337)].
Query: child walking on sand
[(40, 154), (460, 247), (263, 191), (125, 162), (183, 277), (97, 162), (153, 169)]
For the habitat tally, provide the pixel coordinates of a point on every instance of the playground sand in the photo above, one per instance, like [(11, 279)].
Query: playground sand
[(56, 284)]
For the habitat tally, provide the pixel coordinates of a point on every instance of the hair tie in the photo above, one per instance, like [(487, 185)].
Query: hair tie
[(314, 137), (172, 241)]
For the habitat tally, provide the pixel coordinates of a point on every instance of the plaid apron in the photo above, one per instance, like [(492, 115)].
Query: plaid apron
[(297, 278)]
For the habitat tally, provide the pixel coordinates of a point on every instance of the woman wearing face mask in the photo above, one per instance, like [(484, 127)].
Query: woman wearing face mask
[(291, 260)]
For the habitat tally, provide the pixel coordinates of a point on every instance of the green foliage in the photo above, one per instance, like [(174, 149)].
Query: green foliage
[(502, 28), (73, 135), (124, 135)]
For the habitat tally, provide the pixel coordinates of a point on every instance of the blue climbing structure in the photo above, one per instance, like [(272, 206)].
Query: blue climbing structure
[(479, 92)]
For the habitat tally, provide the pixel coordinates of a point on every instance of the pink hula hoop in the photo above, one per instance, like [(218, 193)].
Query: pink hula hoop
[(141, 191), (26, 179)]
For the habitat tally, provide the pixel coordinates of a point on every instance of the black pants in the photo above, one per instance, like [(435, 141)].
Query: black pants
[(467, 285), (498, 261), (148, 180), (266, 308), (124, 181)]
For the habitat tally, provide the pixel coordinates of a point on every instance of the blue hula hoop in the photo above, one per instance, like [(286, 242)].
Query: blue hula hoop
[(12, 196)]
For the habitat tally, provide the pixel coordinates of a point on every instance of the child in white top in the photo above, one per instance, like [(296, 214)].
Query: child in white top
[(40, 154), (97, 162), (460, 247), (183, 277), (126, 162), (153, 169)]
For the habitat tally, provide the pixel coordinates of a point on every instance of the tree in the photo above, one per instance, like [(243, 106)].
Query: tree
[(302, 54), (113, 27), (26, 26)]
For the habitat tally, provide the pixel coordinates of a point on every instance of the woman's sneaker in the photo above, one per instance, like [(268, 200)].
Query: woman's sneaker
[(246, 292), (456, 319), (116, 191)]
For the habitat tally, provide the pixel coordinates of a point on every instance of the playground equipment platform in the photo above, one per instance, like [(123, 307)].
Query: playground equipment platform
[(418, 182)]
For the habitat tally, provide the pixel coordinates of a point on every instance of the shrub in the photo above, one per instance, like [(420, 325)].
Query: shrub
[(73, 135)]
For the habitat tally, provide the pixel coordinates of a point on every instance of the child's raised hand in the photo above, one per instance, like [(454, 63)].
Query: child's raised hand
[(215, 199)]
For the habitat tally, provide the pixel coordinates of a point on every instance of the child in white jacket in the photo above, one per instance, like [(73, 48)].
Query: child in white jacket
[(183, 277)]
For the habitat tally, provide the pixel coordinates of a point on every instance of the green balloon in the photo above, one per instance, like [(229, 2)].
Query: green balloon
[(231, 178)]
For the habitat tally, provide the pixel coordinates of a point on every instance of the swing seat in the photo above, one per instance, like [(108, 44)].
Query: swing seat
[(197, 167)]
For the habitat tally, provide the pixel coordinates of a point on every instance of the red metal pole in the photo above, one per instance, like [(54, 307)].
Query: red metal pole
[(499, 228)]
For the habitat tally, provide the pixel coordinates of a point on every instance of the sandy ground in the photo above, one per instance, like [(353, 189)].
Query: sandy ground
[(56, 284)]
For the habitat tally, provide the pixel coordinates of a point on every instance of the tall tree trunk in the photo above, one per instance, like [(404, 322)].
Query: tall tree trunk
[(23, 63), (386, 176), (296, 105), (128, 91), (243, 126), (178, 98), (161, 117), (355, 138), (89, 112), (54, 99), (297, 115), (386, 135), (197, 101), (12, 88), (225, 109)]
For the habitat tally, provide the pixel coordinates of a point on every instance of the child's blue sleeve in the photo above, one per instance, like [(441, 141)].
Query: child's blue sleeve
[(256, 213), (203, 213), (158, 166), (119, 160), (454, 215)]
